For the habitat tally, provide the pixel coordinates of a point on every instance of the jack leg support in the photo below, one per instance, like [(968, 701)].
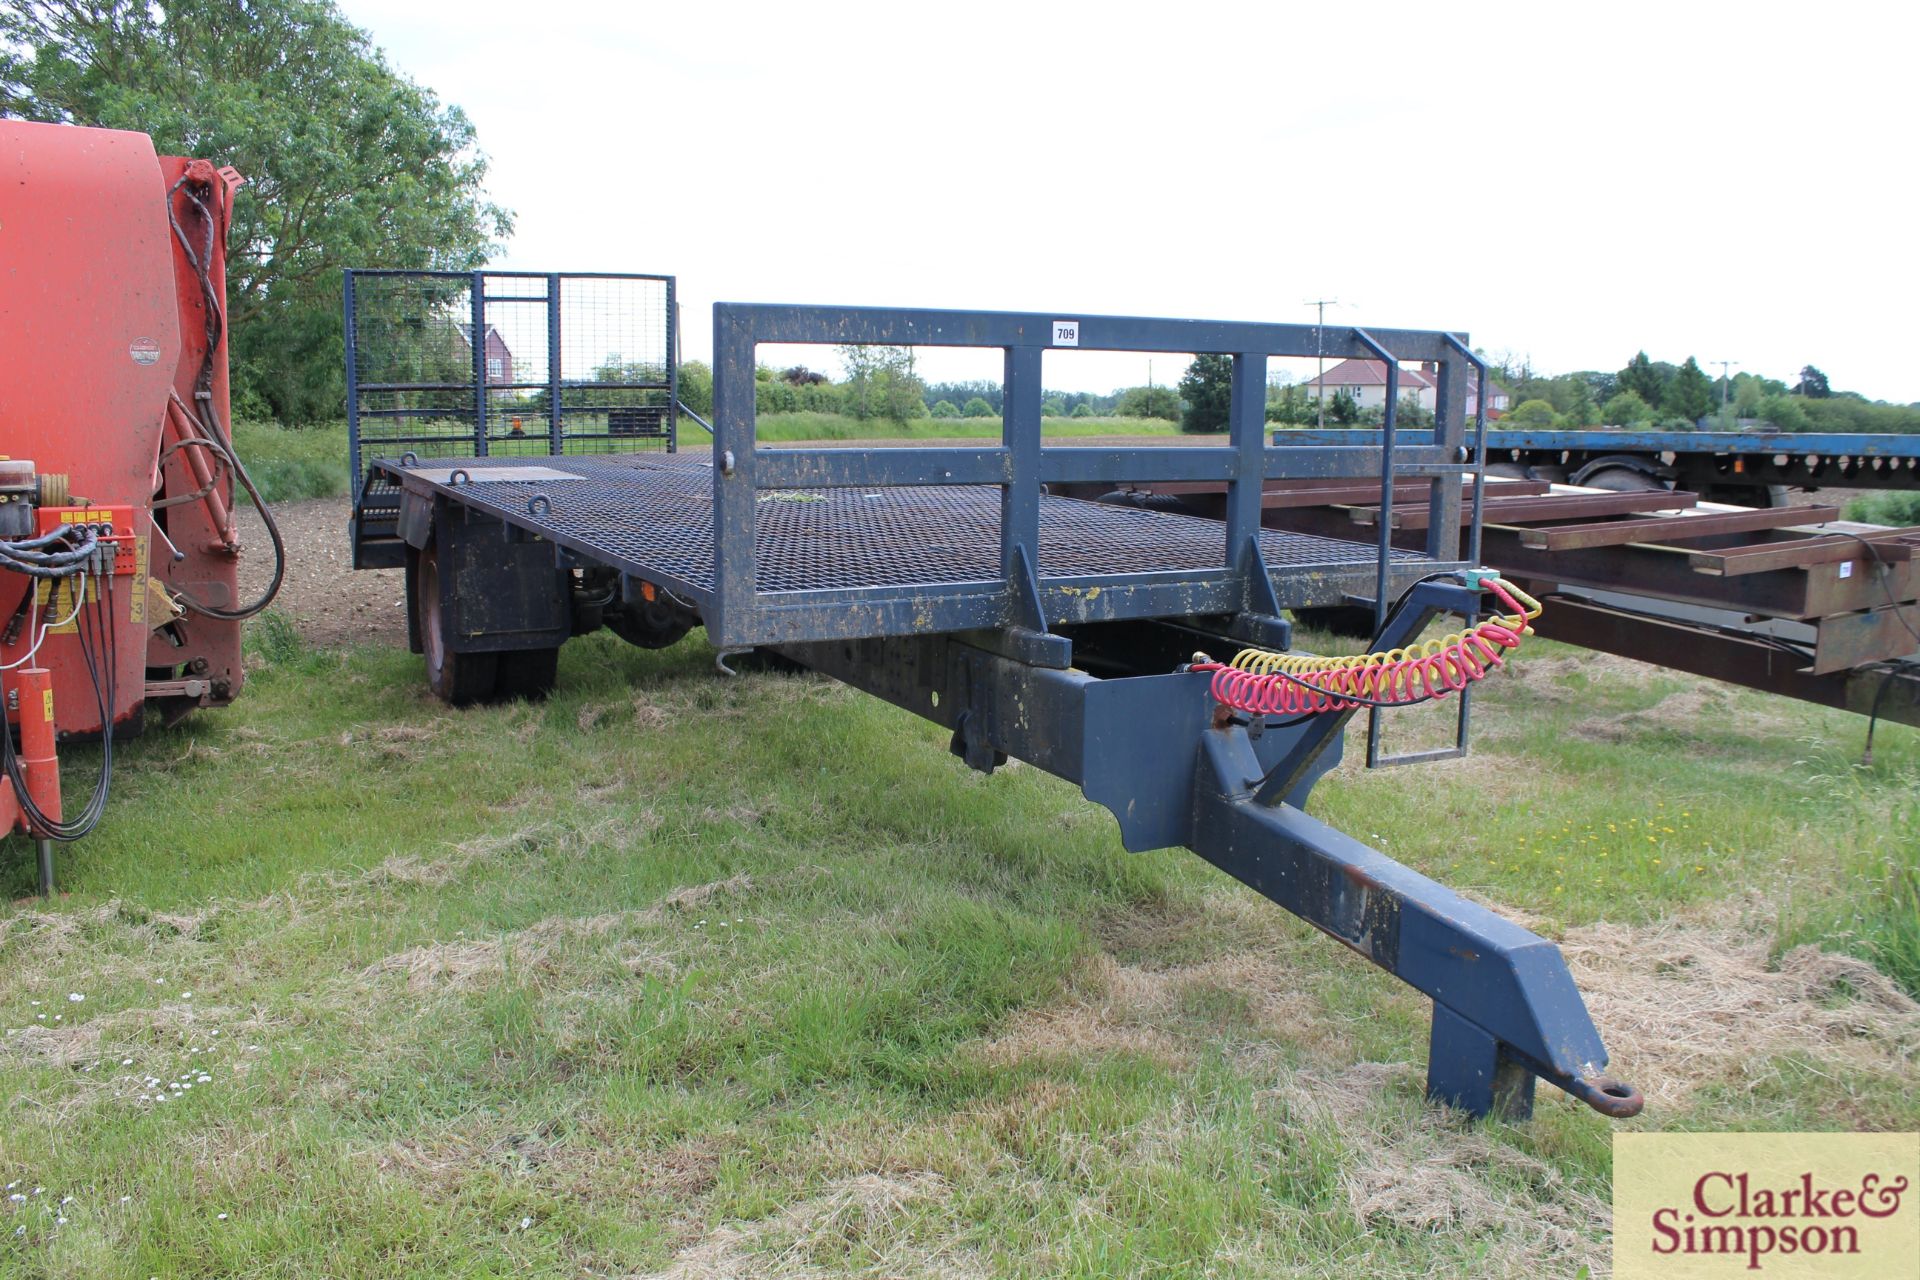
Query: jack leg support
[(1471, 1070)]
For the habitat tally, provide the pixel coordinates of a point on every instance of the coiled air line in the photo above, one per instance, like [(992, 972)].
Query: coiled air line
[(1261, 682)]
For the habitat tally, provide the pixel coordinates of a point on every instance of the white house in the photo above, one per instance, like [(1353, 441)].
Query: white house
[(1366, 382)]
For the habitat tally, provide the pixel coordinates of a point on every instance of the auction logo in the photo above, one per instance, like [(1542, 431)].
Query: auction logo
[(1784, 1204)]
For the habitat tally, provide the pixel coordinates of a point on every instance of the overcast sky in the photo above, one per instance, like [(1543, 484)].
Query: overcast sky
[(1569, 183)]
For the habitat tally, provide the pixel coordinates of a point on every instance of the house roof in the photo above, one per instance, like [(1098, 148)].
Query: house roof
[(466, 333), (1368, 373), (1373, 373)]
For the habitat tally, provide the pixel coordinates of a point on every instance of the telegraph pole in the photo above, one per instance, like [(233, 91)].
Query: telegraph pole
[(1726, 383), (1320, 354)]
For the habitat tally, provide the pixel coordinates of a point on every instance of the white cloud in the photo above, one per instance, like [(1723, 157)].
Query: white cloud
[(1567, 182)]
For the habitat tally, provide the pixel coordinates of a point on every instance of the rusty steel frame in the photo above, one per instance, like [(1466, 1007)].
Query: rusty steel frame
[(1857, 588)]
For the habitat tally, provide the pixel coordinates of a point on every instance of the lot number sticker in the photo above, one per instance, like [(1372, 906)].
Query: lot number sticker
[(1066, 333)]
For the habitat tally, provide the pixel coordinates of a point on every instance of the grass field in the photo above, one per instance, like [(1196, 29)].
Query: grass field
[(682, 976), (789, 427), (291, 463)]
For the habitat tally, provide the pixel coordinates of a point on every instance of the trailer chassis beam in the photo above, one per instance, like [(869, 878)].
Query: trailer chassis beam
[(1175, 770)]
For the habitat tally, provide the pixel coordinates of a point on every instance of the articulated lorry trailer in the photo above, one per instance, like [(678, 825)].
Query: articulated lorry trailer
[(1746, 468)]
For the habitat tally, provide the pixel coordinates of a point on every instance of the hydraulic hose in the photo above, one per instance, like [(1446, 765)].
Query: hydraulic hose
[(202, 415)]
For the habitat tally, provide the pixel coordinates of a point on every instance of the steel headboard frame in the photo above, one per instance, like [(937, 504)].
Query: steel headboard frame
[(1022, 465)]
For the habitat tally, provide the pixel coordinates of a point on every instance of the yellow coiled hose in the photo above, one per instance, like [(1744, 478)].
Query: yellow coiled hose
[(1265, 682)]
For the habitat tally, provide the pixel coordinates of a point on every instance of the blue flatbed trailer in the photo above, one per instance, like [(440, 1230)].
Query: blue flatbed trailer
[(957, 584), (1733, 466)]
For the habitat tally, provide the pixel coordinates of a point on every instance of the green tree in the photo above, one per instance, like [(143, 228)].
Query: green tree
[(1054, 406), (977, 407), (1343, 408), (1411, 412), (1148, 402), (1626, 409), (1207, 387), (1646, 379), (1532, 413), (1783, 412), (1643, 378), (1690, 395), (961, 392), (1578, 409), (881, 383), (348, 162), (1083, 410), (696, 387), (1289, 404), (945, 409), (1813, 384)]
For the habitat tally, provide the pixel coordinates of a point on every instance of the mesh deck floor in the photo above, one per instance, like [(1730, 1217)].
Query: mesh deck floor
[(653, 515)]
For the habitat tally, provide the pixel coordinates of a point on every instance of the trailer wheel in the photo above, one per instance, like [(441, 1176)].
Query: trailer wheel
[(1623, 473), (459, 678), (527, 673), (1621, 480), (1749, 495), (650, 627)]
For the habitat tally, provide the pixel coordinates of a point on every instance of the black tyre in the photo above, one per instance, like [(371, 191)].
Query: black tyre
[(1750, 495), (458, 678), (1622, 480), (527, 673), (652, 626)]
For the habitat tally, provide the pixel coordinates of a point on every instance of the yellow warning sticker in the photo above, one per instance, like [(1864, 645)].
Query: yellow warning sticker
[(82, 515), (49, 705)]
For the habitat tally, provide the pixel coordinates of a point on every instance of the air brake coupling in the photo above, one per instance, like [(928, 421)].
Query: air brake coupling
[(1477, 579)]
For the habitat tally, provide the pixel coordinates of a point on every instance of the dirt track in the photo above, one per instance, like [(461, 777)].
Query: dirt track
[(334, 607)]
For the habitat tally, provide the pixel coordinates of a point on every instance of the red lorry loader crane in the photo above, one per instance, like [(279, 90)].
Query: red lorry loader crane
[(119, 592)]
